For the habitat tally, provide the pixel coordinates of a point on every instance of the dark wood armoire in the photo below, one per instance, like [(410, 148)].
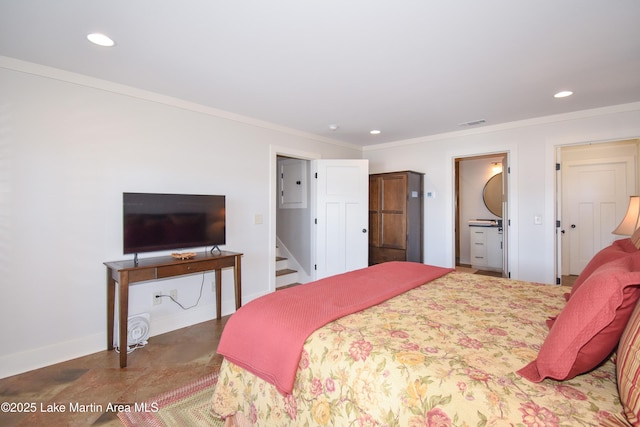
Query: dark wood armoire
[(396, 212)]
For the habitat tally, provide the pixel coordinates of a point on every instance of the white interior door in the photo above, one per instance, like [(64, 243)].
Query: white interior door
[(597, 194), (342, 215)]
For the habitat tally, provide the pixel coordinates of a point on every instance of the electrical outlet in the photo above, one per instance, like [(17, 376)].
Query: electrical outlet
[(157, 299), (174, 294)]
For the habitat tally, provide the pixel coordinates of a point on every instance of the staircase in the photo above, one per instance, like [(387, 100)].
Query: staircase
[(285, 277)]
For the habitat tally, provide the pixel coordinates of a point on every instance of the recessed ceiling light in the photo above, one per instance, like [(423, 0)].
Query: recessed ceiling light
[(333, 127), (563, 94), (374, 132), (100, 40)]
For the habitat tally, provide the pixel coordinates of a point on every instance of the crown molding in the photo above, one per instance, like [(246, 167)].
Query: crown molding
[(575, 115), (117, 88)]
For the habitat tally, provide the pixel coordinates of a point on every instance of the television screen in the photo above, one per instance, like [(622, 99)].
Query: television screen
[(154, 222)]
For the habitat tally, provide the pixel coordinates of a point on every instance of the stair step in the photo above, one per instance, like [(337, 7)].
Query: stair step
[(285, 271), (286, 276), (287, 286)]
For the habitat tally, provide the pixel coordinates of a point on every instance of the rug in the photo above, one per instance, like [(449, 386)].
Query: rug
[(186, 406)]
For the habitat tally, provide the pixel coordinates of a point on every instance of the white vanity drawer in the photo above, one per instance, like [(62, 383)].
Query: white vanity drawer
[(486, 247)]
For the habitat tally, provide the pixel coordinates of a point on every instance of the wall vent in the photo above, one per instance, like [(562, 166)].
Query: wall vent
[(473, 123)]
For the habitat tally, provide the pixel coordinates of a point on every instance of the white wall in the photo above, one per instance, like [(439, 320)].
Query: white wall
[(531, 147), (69, 147)]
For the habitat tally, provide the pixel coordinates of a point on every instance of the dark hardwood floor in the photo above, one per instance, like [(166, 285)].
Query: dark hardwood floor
[(167, 362), (568, 280)]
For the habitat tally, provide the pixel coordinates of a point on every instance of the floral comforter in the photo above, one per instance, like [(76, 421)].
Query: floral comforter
[(442, 354)]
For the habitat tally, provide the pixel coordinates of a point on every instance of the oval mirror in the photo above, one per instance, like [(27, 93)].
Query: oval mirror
[(492, 195)]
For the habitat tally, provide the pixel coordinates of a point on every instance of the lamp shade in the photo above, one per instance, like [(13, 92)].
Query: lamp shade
[(631, 220)]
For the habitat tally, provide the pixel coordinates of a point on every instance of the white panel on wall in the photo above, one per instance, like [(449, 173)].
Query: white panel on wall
[(292, 184)]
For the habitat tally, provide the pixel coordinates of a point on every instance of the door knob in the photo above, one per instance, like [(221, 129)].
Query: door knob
[(573, 226), (364, 230)]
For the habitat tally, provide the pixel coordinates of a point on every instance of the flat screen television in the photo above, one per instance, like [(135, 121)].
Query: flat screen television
[(155, 222)]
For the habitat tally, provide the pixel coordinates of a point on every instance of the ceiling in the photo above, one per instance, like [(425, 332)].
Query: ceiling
[(409, 68)]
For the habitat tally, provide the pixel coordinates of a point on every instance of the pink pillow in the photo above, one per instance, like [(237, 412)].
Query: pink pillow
[(616, 250), (589, 327)]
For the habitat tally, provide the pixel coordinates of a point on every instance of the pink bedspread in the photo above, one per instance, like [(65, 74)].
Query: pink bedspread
[(266, 336)]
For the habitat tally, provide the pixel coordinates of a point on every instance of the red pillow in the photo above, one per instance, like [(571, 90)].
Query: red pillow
[(616, 250), (589, 327)]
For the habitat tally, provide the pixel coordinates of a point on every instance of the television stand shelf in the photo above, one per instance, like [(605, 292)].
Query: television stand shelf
[(124, 273)]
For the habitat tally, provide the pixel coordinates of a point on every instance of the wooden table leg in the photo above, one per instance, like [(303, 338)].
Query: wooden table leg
[(218, 272), (237, 282), (111, 301), (123, 311)]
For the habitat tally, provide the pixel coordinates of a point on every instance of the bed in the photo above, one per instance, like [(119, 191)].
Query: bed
[(457, 349)]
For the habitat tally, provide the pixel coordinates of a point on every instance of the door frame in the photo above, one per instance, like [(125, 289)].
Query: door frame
[(508, 231), (274, 152)]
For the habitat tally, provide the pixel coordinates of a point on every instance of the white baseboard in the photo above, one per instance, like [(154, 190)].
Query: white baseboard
[(40, 357), (18, 363)]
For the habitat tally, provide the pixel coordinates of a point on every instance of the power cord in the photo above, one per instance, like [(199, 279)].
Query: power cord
[(181, 306), (131, 349)]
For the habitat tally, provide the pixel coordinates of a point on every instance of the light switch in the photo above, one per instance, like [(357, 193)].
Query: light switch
[(257, 219), (537, 220)]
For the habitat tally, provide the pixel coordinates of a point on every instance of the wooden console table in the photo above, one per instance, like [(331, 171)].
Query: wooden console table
[(124, 273)]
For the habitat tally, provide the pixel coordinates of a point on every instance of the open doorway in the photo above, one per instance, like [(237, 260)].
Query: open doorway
[(481, 214), (320, 217), (293, 221), (284, 269)]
